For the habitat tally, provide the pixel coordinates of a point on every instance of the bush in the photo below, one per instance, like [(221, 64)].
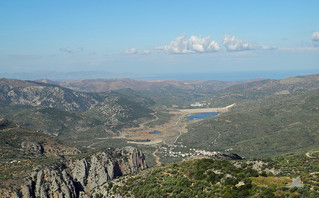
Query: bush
[(293, 189)]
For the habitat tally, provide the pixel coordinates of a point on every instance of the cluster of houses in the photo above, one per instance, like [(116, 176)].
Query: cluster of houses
[(184, 152)]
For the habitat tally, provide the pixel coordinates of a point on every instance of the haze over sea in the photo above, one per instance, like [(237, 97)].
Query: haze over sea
[(221, 76), (230, 76)]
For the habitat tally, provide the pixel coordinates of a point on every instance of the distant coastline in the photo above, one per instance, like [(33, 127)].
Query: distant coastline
[(230, 76), (220, 76)]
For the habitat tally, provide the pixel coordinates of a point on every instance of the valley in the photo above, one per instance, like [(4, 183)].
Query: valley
[(165, 136), (69, 130), (159, 99)]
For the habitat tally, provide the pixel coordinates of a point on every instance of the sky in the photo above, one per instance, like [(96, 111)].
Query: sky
[(159, 37)]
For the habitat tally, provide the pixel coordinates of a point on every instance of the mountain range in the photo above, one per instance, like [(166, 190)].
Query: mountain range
[(61, 111), (47, 129)]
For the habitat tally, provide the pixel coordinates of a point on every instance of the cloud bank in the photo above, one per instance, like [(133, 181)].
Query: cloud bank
[(315, 36), (315, 39), (70, 50), (131, 51), (233, 44), (194, 44), (143, 52), (267, 47), (135, 51)]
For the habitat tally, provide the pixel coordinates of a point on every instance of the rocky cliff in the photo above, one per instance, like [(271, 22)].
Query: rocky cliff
[(77, 177)]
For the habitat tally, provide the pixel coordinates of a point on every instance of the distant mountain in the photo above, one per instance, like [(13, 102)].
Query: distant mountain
[(271, 118), (17, 92), (169, 93), (103, 85), (60, 111), (58, 76), (259, 89)]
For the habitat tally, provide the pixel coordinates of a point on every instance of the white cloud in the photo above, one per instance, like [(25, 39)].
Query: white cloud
[(194, 44), (145, 52), (301, 49), (70, 50), (233, 44), (267, 47), (315, 36), (135, 51), (315, 39), (131, 51)]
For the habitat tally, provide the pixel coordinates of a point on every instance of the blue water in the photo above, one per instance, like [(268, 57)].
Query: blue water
[(155, 132), (202, 115)]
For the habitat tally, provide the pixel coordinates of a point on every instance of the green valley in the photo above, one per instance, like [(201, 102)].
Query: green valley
[(263, 139)]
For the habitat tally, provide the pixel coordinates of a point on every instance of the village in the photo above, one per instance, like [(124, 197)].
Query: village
[(179, 150)]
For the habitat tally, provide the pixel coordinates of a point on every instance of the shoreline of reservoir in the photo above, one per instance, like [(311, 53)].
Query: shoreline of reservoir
[(207, 110)]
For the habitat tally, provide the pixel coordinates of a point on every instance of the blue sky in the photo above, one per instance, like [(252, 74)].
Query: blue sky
[(149, 37)]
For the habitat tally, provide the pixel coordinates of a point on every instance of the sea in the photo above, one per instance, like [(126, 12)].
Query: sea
[(221, 76), (227, 76)]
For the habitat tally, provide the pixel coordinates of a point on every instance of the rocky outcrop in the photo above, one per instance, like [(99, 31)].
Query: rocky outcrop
[(77, 177), (104, 166), (31, 147), (49, 183), (47, 148)]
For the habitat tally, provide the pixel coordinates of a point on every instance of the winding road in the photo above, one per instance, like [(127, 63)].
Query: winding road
[(157, 159)]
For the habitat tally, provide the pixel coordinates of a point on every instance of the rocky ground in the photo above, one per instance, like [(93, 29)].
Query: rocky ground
[(76, 176)]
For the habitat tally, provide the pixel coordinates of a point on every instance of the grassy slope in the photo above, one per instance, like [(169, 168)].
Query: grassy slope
[(259, 89), (220, 178), (270, 126), (71, 115)]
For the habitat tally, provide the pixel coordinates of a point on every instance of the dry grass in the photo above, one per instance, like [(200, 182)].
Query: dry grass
[(271, 181)]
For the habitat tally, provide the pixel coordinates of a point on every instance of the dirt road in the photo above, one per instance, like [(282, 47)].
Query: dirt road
[(157, 159)]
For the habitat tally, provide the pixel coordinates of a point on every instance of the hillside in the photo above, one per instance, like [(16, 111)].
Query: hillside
[(22, 149), (259, 89), (43, 95), (165, 92), (40, 166), (63, 112), (103, 85), (33, 164), (271, 125), (208, 177), (270, 118), (17, 142)]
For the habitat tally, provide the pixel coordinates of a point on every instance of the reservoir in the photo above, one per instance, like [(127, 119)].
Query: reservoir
[(155, 132), (201, 115)]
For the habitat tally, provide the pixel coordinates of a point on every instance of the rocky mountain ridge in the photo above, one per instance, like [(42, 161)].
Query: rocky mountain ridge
[(76, 177), (55, 110), (43, 95), (102, 85), (33, 164)]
